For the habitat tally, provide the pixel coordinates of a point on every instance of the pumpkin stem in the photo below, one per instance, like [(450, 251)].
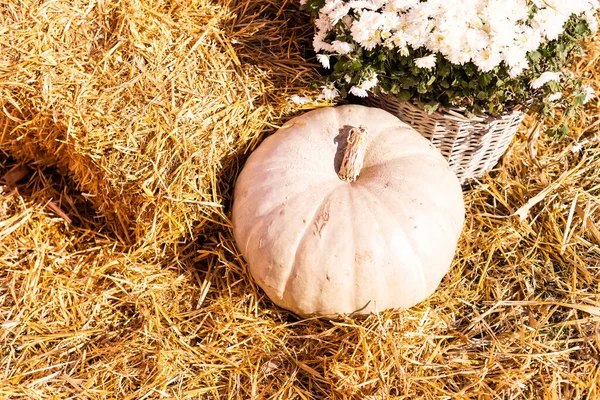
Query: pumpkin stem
[(354, 154)]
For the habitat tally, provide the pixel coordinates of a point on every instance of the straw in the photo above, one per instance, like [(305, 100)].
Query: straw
[(144, 104)]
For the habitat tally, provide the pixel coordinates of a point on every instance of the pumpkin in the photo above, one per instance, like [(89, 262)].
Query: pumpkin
[(347, 210)]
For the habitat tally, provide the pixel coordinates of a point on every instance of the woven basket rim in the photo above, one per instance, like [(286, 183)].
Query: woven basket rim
[(470, 145), (457, 113)]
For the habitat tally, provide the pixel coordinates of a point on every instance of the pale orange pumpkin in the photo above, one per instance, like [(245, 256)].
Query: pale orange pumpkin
[(347, 210)]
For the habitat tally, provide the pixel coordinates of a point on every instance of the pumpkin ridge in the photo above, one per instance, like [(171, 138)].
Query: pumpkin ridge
[(271, 180), (374, 134), (313, 185), (265, 217), (361, 306), (352, 245), (337, 234), (442, 204), (302, 239), (439, 208), (407, 237), (384, 237)]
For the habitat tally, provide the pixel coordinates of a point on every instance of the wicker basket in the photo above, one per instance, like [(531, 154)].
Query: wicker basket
[(471, 146)]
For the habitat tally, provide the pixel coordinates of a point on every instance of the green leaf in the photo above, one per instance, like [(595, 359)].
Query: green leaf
[(581, 28), (554, 86), (431, 107), (403, 95), (443, 69), (534, 56), (356, 65), (485, 79), (409, 82)]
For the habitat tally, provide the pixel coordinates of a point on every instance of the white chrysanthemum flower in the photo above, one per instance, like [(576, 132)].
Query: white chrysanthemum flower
[(550, 22), (330, 5), (366, 85), (388, 44), (528, 38), (458, 57), (329, 92), (370, 43), (400, 5), (437, 41), (324, 60), (589, 93), (518, 68), (323, 23), (417, 33), (545, 78), (358, 92), (504, 36), (370, 83), (426, 62), (487, 59), (319, 43), (365, 29), (340, 47), (389, 21), (477, 39), (299, 99), (514, 56), (366, 4), (398, 41), (555, 96), (339, 13), (404, 51)]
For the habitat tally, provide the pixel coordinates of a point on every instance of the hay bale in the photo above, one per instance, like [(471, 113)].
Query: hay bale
[(144, 103)]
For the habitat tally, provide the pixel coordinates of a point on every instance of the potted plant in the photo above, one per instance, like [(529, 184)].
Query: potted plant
[(461, 72)]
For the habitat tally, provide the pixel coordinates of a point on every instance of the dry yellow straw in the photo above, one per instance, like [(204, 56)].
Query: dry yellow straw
[(147, 105), (86, 314)]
